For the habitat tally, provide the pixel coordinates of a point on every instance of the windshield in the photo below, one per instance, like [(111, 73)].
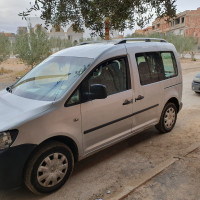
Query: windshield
[(52, 78)]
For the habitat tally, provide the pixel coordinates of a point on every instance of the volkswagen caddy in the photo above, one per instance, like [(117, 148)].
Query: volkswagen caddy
[(81, 100)]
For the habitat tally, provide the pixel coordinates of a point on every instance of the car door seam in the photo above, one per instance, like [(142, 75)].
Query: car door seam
[(120, 119)]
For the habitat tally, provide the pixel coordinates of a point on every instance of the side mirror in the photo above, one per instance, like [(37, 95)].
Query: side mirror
[(97, 91)]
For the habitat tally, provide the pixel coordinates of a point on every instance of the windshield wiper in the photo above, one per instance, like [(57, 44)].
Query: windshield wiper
[(40, 78), (9, 89)]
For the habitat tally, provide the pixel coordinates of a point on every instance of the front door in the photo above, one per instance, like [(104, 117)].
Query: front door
[(106, 120)]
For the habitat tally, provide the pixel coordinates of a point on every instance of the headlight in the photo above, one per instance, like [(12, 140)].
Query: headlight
[(7, 138)]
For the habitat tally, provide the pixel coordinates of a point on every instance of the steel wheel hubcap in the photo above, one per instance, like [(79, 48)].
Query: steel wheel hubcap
[(52, 170), (169, 118)]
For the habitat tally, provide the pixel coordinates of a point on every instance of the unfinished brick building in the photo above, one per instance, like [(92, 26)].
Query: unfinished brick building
[(186, 23)]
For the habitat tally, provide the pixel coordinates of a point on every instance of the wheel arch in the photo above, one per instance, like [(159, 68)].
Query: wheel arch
[(175, 101), (63, 139), (67, 141)]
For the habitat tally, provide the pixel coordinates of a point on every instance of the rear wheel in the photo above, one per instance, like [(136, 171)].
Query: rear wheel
[(49, 168), (168, 118)]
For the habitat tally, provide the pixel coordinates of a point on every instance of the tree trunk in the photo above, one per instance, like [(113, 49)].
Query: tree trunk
[(192, 55), (107, 24)]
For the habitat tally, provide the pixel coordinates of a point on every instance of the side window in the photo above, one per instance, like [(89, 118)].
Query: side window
[(114, 74), (149, 67), (156, 66), (74, 99), (169, 63), (143, 69)]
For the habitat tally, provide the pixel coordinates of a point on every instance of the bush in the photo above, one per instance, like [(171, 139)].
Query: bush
[(182, 44), (5, 47), (58, 44), (32, 47), (5, 71)]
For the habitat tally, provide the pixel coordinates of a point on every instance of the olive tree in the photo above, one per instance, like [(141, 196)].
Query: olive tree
[(5, 47), (183, 44), (59, 44), (32, 47), (92, 13)]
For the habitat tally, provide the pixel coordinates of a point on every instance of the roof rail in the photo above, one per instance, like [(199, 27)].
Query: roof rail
[(140, 39), (121, 41), (88, 42)]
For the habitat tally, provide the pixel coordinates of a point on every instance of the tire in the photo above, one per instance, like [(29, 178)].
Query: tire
[(168, 118), (197, 92), (49, 168)]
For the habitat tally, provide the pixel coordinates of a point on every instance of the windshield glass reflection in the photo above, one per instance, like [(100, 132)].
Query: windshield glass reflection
[(52, 78)]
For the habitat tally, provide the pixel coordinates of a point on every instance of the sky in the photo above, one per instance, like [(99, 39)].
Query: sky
[(9, 9)]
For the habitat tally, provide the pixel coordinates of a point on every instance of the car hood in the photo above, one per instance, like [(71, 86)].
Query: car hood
[(15, 110), (198, 75)]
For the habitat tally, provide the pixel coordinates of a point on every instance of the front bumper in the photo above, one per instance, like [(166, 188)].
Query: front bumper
[(196, 86), (12, 162)]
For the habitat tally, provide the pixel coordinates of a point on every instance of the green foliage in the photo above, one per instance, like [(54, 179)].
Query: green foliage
[(5, 47), (134, 35), (92, 13), (59, 44), (32, 47), (182, 44), (91, 39)]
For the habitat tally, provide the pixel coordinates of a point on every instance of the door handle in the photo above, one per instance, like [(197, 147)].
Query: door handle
[(126, 102), (140, 97)]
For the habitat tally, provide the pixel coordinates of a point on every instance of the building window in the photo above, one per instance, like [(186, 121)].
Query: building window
[(183, 20), (177, 21), (158, 25), (153, 27)]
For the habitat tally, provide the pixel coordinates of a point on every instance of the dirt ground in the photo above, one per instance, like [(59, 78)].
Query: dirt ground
[(106, 173), (13, 68)]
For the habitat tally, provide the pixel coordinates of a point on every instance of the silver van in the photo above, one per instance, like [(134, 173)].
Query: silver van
[(81, 100)]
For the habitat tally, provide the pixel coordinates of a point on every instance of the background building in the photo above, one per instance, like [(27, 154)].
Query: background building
[(186, 23), (56, 31)]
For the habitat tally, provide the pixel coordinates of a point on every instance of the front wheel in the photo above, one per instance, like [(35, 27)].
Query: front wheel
[(168, 118), (49, 168)]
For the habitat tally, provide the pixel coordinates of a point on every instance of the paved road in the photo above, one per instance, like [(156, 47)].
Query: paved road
[(107, 172), (180, 181)]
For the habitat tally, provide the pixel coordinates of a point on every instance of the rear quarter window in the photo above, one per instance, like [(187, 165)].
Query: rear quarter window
[(169, 64)]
